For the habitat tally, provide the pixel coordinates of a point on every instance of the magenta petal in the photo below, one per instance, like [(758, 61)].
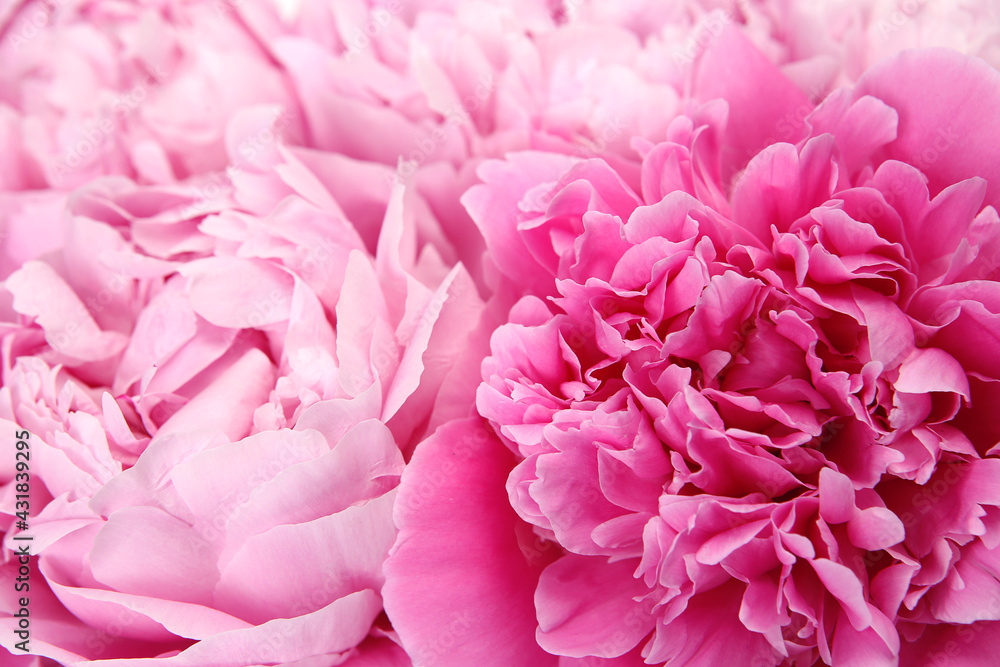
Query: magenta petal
[(867, 647), (932, 369), (780, 185), (495, 208), (733, 69), (947, 106), (836, 496), (971, 592), (576, 598), (875, 528), (709, 634), (970, 645), (458, 587)]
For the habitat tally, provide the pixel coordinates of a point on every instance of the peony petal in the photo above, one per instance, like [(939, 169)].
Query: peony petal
[(239, 293), (945, 101), (836, 496), (145, 551), (733, 69), (40, 292), (932, 369), (308, 564), (577, 595), (444, 602)]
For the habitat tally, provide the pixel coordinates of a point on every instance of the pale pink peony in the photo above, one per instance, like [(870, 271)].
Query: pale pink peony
[(748, 411), (91, 88), (220, 401), (860, 33)]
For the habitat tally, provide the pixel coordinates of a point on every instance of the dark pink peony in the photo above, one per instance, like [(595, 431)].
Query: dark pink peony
[(748, 408)]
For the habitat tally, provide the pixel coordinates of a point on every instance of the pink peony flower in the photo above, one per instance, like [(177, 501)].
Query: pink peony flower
[(746, 408), (220, 402), (734, 409), (92, 88)]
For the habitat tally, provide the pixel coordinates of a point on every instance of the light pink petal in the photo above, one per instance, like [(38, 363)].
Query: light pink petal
[(227, 405), (296, 569), (360, 188), (163, 326), (411, 365), (40, 292), (329, 631), (227, 394), (145, 551), (365, 464), (366, 347), (239, 293), (240, 467)]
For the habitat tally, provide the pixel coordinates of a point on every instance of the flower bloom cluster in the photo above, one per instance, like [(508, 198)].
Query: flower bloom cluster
[(747, 404), (395, 334)]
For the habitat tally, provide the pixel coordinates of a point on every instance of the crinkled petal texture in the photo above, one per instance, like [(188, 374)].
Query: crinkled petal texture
[(749, 416)]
